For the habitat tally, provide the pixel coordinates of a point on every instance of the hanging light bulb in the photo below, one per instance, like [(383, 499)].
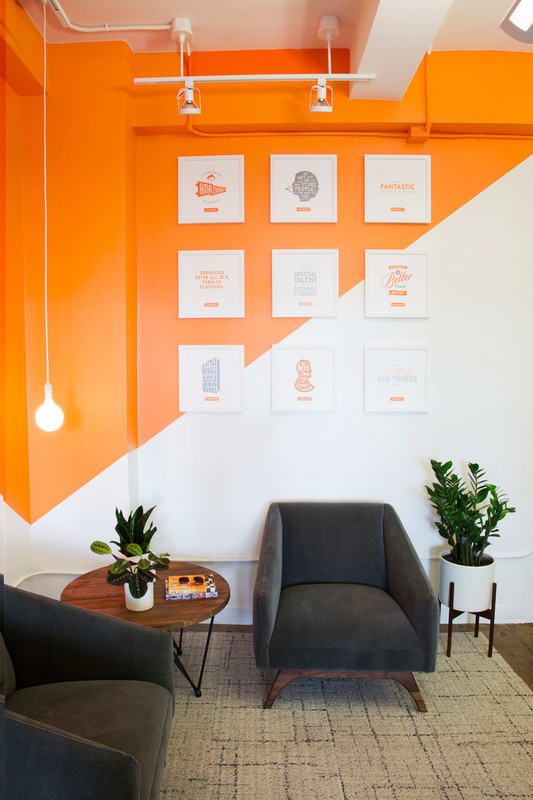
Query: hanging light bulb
[(321, 98), (49, 416), (189, 100)]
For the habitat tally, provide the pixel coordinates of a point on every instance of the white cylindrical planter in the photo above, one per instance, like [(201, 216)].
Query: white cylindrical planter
[(139, 603), (472, 585)]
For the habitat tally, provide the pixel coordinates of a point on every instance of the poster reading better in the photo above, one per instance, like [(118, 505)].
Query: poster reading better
[(395, 283), (305, 283), (397, 188), (211, 283), (303, 379), (211, 377), (395, 379), (303, 188), (210, 189)]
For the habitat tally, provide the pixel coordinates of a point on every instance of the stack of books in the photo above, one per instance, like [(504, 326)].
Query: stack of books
[(190, 587)]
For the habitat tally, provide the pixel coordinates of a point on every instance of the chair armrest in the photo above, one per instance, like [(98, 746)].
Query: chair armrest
[(50, 641), (410, 586), (43, 762), (267, 587)]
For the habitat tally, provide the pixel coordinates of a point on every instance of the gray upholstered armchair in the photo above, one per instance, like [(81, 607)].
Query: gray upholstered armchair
[(88, 702), (340, 593)]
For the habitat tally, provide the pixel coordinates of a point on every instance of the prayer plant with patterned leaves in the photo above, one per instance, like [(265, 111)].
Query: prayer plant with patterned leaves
[(135, 563), (469, 512)]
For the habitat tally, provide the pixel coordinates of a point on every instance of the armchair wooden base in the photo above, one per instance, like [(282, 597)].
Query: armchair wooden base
[(286, 676)]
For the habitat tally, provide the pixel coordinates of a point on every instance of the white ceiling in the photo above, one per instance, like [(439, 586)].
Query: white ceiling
[(270, 24), (385, 37)]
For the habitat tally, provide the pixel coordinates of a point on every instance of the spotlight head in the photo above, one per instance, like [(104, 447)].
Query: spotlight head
[(189, 100), (321, 98)]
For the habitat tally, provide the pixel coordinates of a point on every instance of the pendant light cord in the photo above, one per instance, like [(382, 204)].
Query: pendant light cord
[(45, 189)]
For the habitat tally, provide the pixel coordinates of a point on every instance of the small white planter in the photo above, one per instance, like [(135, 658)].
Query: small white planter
[(140, 603), (473, 585)]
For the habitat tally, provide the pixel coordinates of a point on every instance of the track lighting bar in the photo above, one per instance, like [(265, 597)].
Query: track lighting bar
[(181, 79)]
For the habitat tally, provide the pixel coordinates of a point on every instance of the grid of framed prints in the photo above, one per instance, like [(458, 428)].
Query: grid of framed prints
[(305, 282), (303, 379), (211, 283)]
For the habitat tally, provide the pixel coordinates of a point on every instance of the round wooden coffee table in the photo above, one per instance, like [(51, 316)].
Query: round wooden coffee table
[(92, 592)]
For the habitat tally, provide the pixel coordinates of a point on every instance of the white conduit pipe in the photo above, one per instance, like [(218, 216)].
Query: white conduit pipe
[(348, 76), (105, 28)]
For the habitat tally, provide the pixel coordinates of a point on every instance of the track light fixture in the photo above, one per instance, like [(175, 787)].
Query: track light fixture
[(49, 416), (321, 98), (189, 100)]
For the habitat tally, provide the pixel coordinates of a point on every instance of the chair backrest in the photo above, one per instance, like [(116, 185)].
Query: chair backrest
[(7, 673), (333, 543)]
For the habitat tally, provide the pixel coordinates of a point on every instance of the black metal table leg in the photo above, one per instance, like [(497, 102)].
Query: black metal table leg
[(197, 687)]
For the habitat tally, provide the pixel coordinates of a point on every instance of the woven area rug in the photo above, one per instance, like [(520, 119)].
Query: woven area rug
[(341, 740)]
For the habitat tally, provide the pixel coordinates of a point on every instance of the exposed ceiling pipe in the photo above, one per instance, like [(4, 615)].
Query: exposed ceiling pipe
[(65, 20)]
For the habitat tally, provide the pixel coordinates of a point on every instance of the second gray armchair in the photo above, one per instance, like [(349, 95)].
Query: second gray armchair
[(340, 593)]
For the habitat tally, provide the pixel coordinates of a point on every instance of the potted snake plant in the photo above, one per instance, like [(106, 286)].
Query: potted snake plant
[(469, 514), (135, 566)]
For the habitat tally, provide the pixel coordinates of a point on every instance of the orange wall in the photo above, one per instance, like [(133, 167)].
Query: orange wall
[(114, 236)]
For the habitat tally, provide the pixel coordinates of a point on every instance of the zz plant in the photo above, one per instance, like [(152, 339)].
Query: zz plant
[(469, 512), (135, 563)]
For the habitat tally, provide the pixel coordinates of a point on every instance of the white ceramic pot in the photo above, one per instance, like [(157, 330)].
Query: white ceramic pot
[(473, 585), (139, 603)]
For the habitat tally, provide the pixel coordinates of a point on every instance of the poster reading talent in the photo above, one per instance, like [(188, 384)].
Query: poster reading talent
[(395, 379), (305, 283), (211, 283), (303, 188), (395, 283), (210, 189), (397, 188), (303, 379), (211, 377)]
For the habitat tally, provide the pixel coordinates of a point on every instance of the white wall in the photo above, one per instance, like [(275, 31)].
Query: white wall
[(212, 477)]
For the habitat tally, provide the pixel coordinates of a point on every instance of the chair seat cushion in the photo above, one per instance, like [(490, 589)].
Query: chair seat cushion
[(130, 716), (343, 626)]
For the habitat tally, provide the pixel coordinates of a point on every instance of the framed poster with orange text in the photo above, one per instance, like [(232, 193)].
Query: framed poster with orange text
[(397, 188), (303, 188), (211, 283), (396, 378), (305, 283), (396, 284), (211, 378), (210, 189), (303, 379)]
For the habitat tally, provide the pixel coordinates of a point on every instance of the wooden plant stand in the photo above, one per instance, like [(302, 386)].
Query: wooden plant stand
[(489, 613)]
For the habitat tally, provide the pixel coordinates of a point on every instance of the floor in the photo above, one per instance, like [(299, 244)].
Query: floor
[(513, 642)]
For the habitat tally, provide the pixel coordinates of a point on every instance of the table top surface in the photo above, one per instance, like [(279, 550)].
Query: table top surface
[(91, 591)]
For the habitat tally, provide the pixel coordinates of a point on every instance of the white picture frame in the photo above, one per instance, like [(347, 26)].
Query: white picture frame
[(303, 379), (396, 378), (211, 378), (396, 284), (210, 284), (303, 188), (398, 188), (305, 283), (210, 189)]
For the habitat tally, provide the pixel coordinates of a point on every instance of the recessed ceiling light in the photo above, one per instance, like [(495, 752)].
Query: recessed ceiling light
[(518, 22)]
